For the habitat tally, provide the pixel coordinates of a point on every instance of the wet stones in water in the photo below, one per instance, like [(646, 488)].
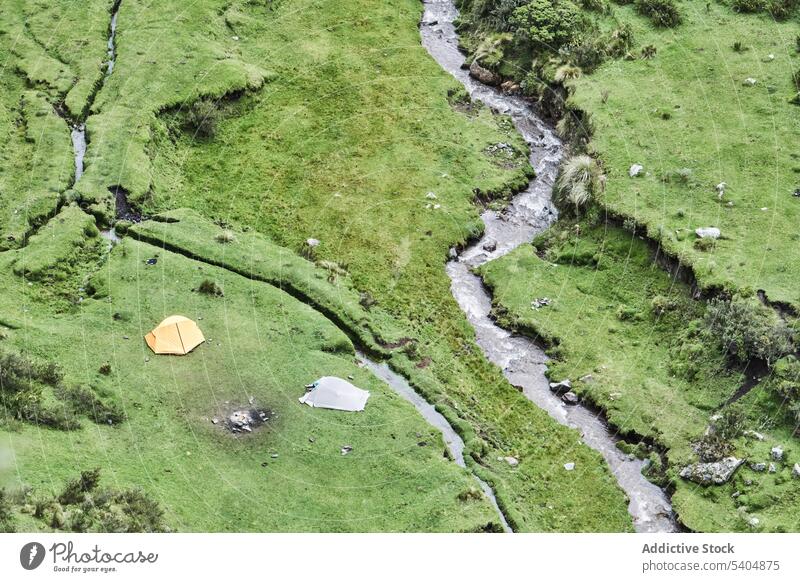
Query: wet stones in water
[(246, 420), (560, 388), (490, 245), (483, 74), (570, 398)]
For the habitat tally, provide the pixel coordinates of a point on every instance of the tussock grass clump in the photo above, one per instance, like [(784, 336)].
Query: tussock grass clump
[(567, 72), (578, 182), (225, 237)]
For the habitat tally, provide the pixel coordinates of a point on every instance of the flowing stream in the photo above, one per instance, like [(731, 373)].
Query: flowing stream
[(530, 212), (78, 128)]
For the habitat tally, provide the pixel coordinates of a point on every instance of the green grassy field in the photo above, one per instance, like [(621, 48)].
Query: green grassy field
[(689, 107)]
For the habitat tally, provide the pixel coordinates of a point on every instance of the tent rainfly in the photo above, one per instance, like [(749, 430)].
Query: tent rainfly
[(176, 335), (335, 393)]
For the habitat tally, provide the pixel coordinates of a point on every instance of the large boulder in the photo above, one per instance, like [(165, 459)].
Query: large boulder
[(715, 473), (483, 74)]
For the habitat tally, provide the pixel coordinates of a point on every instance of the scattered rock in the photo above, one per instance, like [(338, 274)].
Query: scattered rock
[(773, 468), (570, 398), (720, 188), (796, 471), (452, 253), (587, 379), (777, 453), (483, 74), (274, 455), (430, 196), (312, 242), (490, 245), (511, 461), (749, 82), (708, 232), (346, 449), (540, 302), (715, 473), (569, 466), (754, 435), (561, 387), (758, 467), (311, 439), (635, 170), (753, 522), (215, 420)]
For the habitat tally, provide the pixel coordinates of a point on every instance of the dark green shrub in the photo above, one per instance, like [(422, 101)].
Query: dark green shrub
[(75, 491), (747, 6), (748, 329), (209, 287), (6, 514), (548, 24), (662, 13)]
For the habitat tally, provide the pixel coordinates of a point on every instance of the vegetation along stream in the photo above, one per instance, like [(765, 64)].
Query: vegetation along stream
[(530, 212)]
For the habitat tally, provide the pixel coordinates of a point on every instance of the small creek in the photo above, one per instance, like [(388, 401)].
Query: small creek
[(453, 442), (78, 128), (523, 362)]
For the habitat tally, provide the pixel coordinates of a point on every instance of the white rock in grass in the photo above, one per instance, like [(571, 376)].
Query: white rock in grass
[(750, 82), (796, 471), (708, 232), (777, 453), (635, 170), (569, 466)]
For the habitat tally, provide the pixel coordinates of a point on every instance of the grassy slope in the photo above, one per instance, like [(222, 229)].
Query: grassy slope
[(49, 55), (261, 343), (600, 323), (333, 151), (719, 128), (686, 108)]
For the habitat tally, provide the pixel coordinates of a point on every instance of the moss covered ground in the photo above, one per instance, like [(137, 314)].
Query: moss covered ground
[(267, 124)]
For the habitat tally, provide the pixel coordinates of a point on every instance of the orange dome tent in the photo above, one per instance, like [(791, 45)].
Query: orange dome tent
[(176, 335)]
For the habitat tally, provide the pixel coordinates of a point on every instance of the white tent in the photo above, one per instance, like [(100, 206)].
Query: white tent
[(335, 393)]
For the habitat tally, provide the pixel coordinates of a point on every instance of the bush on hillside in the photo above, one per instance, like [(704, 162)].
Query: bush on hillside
[(748, 329), (548, 24), (786, 386), (6, 515), (662, 13), (747, 6)]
